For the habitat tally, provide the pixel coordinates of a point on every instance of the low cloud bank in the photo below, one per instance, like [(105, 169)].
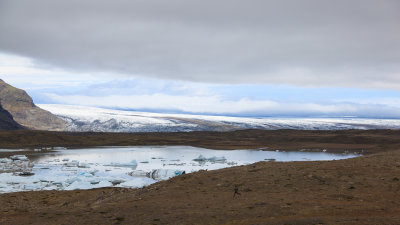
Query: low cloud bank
[(219, 106)]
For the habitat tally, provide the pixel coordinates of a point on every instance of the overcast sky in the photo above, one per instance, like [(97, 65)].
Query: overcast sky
[(207, 56)]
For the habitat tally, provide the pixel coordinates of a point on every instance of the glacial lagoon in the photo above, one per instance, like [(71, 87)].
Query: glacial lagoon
[(129, 167)]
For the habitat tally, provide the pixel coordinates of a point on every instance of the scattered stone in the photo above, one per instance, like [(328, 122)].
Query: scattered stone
[(271, 160), (116, 182)]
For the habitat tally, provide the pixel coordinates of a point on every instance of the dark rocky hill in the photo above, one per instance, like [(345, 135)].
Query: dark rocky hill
[(7, 122), (20, 105)]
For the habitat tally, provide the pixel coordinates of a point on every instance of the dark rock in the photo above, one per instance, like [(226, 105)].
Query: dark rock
[(7, 122), (26, 173)]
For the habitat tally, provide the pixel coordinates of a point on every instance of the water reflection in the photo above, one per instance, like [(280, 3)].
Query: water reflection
[(169, 156)]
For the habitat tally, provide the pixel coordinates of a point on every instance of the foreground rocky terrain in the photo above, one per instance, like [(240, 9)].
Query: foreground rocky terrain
[(363, 190), (20, 105)]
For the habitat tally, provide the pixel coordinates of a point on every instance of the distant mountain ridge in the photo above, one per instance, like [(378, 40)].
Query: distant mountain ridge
[(17, 111), (22, 109)]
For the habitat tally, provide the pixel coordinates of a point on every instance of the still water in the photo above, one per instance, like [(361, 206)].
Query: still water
[(69, 169)]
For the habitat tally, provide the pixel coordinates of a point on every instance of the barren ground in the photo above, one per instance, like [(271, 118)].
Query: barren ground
[(363, 190)]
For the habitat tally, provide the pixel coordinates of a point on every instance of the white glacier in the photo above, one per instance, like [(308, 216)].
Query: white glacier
[(82, 118)]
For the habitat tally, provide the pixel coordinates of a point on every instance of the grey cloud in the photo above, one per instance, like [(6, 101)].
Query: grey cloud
[(352, 43)]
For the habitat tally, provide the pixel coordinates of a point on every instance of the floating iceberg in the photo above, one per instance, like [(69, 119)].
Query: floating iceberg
[(5, 160), (73, 163), (217, 159), (133, 164), (83, 185), (30, 187), (139, 173), (73, 180), (19, 157), (15, 163), (203, 159), (163, 174), (137, 183), (83, 165)]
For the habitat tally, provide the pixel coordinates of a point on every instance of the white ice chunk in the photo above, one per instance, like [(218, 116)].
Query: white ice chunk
[(201, 158), (133, 164), (73, 180), (83, 165), (79, 185), (73, 163), (217, 159), (30, 187), (139, 173), (5, 160), (94, 181), (136, 183), (102, 183), (19, 157), (163, 174)]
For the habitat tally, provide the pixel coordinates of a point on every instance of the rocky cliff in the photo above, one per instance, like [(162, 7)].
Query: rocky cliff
[(20, 105)]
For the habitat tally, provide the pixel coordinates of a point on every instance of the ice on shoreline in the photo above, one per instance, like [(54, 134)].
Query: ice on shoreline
[(18, 173), (16, 163)]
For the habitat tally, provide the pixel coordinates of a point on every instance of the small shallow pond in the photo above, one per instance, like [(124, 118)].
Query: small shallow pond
[(131, 167)]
